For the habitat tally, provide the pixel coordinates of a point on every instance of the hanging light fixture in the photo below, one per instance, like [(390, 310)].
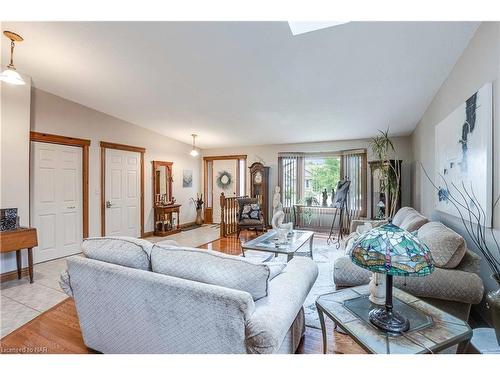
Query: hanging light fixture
[(10, 75), (194, 152)]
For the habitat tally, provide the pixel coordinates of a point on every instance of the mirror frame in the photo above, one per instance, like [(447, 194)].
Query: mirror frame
[(168, 165)]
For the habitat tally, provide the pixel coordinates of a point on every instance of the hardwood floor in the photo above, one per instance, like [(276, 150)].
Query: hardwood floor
[(57, 330)]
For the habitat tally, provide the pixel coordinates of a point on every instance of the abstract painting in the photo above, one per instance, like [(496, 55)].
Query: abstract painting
[(464, 156), (187, 178)]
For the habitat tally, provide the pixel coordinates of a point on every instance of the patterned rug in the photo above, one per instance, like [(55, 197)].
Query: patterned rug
[(324, 256)]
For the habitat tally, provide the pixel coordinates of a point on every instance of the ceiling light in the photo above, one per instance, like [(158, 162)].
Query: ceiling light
[(194, 153), (298, 28), (10, 75)]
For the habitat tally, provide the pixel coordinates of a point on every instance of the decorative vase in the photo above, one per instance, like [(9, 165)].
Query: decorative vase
[(377, 289), (199, 217), (493, 303)]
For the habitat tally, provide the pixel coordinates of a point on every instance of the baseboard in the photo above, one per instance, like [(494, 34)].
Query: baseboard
[(12, 275), (185, 225), (181, 226)]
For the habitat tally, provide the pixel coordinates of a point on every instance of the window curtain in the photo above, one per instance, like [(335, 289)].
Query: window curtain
[(291, 181), (354, 167)]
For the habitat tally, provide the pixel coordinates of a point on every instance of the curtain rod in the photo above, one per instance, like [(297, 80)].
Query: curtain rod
[(323, 153)]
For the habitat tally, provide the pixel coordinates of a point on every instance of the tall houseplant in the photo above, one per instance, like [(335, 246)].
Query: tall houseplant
[(473, 218), (390, 173)]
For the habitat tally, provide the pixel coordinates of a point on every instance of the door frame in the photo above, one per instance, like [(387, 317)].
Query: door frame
[(118, 146), (208, 215), (74, 142)]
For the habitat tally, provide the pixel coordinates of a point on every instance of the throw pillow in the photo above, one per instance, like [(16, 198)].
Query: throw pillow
[(213, 267), (250, 211), (447, 247)]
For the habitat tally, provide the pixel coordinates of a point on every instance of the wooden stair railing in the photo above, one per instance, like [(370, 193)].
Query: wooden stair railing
[(229, 211)]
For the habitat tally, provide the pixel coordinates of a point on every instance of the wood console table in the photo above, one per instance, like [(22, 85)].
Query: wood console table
[(164, 219), (16, 240)]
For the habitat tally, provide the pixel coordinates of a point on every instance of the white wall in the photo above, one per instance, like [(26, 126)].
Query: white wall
[(479, 64), (56, 115), (269, 155), (14, 155)]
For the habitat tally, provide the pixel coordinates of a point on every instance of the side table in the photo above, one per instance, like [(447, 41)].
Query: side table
[(16, 240), (484, 341), (349, 309)]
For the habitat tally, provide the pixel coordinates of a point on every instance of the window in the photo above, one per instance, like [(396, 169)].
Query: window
[(303, 177), (320, 173)]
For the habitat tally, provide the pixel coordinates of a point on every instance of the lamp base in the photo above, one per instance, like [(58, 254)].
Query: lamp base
[(389, 320)]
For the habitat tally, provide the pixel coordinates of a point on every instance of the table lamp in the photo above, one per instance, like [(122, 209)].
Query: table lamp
[(393, 251)]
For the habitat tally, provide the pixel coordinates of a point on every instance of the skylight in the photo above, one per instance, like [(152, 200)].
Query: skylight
[(299, 28)]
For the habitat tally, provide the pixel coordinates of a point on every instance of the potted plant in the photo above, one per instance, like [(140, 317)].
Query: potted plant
[(309, 198), (390, 172), (199, 208)]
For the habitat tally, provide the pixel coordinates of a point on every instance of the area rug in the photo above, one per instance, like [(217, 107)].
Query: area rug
[(324, 256)]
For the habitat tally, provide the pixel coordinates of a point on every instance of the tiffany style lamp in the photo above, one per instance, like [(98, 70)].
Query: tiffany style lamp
[(394, 251)]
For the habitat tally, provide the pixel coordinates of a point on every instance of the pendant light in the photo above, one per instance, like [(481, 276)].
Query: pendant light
[(194, 152), (10, 75)]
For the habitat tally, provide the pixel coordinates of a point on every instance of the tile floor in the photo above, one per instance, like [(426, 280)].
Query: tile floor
[(21, 301)]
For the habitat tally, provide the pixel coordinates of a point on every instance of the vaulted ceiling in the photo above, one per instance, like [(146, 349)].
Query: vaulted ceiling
[(238, 83)]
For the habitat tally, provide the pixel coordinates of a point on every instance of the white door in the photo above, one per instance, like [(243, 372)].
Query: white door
[(219, 166), (56, 200), (122, 193)]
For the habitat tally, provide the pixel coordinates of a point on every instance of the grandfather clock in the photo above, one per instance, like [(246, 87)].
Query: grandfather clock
[(259, 187)]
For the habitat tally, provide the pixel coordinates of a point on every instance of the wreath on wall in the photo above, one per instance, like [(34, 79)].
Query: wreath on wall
[(224, 180)]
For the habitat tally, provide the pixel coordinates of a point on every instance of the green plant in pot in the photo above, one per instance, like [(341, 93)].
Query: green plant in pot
[(390, 172), (473, 218), (309, 198)]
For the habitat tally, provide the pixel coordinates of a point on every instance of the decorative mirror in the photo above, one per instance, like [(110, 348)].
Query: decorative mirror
[(162, 182)]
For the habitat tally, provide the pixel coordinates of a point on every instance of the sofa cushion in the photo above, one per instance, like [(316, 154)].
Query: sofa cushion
[(250, 222), (124, 251), (402, 213), (413, 221), (447, 247), (213, 267)]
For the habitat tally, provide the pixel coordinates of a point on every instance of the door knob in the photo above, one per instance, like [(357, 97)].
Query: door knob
[(108, 204)]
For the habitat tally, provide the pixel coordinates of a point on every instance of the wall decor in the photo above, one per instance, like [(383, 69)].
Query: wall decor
[(224, 180), (187, 178), (463, 158)]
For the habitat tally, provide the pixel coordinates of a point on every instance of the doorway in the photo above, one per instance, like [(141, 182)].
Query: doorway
[(58, 194), (233, 166), (122, 190)]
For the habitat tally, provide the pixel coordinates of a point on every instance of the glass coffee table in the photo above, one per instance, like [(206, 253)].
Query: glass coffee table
[(268, 242), (431, 330)]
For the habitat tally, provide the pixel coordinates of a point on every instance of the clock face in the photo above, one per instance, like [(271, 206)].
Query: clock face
[(258, 178)]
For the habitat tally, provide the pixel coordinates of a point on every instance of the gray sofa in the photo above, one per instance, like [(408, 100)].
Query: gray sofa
[(135, 297), (453, 286)]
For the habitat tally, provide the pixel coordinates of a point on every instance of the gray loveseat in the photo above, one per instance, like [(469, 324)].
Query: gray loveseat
[(133, 297), (452, 287)]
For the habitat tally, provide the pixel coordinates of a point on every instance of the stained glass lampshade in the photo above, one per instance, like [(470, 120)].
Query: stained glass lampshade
[(394, 251)]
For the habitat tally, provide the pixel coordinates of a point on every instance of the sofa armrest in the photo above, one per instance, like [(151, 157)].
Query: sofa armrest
[(274, 314), (471, 262), (65, 283)]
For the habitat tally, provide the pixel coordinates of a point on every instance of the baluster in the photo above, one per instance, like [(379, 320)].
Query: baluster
[(222, 202)]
